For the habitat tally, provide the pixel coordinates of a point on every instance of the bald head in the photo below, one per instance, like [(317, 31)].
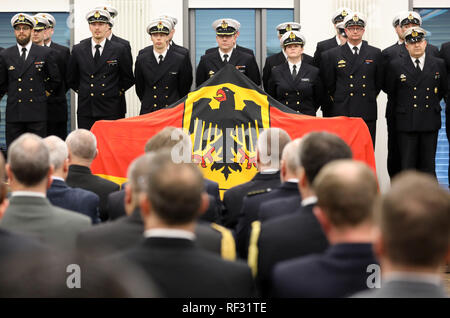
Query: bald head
[(82, 144), (290, 156), (346, 191)]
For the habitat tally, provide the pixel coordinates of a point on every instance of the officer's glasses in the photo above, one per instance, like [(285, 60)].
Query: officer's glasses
[(22, 28)]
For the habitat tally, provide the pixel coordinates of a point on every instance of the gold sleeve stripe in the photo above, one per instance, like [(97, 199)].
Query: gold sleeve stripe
[(253, 247), (227, 246)]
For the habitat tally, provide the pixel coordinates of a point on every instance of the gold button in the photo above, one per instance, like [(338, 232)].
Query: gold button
[(364, 85), (351, 76), (298, 93), (154, 105), (351, 94), (167, 105), (32, 90), (351, 85), (286, 103), (415, 88), (428, 88), (154, 87), (364, 94), (92, 76), (154, 96), (286, 94), (427, 97), (298, 103), (20, 100), (92, 94), (20, 80), (39, 69), (103, 85), (167, 96), (166, 87), (92, 85), (103, 94), (19, 89), (415, 105), (298, 111), (364, 76), (415, 97), (31, 100), (426, 106), (31, 78)]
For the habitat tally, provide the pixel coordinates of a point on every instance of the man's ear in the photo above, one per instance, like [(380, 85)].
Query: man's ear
[(204, 205), (378, 244), (322, 218), (9, 173), (145, 206), (49, 176)]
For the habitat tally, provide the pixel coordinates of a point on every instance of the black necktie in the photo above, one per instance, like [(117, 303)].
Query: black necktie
[(418, 65), (97, 53), (355, 48), (160, 59), (225, 58), (24, 54), (294, 72)]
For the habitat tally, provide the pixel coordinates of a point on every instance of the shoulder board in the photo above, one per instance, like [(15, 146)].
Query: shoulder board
[(260, 191)]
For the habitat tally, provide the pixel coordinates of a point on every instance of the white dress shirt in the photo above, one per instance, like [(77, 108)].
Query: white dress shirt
[(421, 59), (222, 54), (351, 46), (28, 47), (102, 46), (158, 54), (297, 66), (27, 194), (170, 233)]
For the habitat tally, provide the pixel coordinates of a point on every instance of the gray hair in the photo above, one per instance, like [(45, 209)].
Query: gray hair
[(58, 151), (29, 159), (270, 145), (82, 143), (137, 171), (290, 155)]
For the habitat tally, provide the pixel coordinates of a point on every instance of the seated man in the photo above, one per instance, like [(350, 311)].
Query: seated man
[(59, 193), (172, 199), (82, 146), (346, 192), (412, 243), (30, 212)]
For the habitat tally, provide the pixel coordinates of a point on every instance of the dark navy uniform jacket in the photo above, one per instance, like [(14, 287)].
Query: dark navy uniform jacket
[(27, 84)]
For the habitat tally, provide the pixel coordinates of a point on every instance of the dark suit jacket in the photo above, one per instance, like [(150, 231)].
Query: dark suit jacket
[(233, 197), (112, 237), (302, 94), (238, 47), (53, 226), (250, 209), (353, 82), (275, 60), (425, 89), (211, 63), (12, 244), (270, 210), (182, 270), (282, 239), (340, 271), (26, 84), (57, 102), (82, 177), (116, 203), (405, 289), (321, 47), (160, 85), (100, 86), (126, 44), (74, 199)]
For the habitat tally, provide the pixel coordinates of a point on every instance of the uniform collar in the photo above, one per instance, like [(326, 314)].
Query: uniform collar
[(222, 54), (170, 233), (421, 59), (158, 54), (27, 194), (309, 200), (28, 47)]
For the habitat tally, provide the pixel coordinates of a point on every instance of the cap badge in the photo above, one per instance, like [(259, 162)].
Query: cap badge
[(288, 27), (97, 14), (21, 18), (160, 26), (414, 34), (224, 25), (355, 18), (410, 17), (292, 36), (344, 13)]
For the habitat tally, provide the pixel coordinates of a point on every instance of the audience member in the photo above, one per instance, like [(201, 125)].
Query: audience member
[(346, 191), (59, 193), (30, 212)]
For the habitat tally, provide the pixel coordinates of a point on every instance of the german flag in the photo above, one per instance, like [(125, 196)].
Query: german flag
[(224, 118)]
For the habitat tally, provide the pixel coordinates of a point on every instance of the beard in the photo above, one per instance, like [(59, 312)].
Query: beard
[(23, 41)]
